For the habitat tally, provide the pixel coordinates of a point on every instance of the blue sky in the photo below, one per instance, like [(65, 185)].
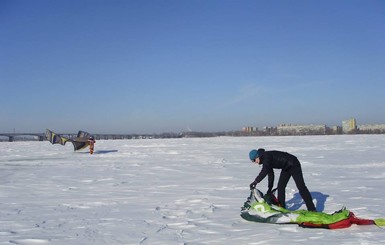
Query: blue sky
[(154, 66)]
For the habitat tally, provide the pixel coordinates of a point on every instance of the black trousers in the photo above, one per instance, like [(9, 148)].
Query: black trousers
[(296, 172)]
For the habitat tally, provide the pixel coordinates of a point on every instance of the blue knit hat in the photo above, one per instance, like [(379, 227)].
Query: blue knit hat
[(254, 154)]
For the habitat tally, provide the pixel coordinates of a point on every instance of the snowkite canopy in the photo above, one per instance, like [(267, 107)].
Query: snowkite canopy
[(257, 209), (80, 142)]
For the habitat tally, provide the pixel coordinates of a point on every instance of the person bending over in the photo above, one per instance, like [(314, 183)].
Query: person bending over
[(290, 167)]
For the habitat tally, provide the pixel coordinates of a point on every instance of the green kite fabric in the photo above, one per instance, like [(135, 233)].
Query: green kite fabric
[(256, 209)]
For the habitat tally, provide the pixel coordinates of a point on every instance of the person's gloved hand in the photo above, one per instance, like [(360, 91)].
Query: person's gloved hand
[(252, 185)]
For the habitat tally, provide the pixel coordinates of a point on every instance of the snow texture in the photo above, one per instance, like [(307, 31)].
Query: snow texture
[(182, 191)]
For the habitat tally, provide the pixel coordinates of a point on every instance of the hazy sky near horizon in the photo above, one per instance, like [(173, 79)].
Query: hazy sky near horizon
[(203, 65)]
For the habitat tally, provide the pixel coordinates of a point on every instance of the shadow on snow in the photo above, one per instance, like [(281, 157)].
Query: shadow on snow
[(296, 202), (99, 152)]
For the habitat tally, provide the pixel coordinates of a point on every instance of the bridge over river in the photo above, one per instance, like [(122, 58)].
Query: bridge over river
[(41, 136), (12, 136)]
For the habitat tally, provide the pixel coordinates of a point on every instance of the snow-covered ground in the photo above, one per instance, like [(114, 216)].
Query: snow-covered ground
[(181, 191)]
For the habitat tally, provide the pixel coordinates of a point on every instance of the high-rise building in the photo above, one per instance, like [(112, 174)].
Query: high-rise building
[(349, 125), (289, 129), (249, 129), (372, 128)]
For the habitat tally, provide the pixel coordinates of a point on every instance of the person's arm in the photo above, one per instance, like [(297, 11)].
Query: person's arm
[(267, 170)]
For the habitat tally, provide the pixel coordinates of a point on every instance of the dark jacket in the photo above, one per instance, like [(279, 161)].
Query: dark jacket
[(275, 160)]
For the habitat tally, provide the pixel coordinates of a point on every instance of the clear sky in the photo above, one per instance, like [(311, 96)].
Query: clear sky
[(150, 66)]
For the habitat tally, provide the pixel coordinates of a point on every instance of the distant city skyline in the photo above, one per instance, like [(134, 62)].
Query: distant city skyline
[(172, 66), (356, 123)]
